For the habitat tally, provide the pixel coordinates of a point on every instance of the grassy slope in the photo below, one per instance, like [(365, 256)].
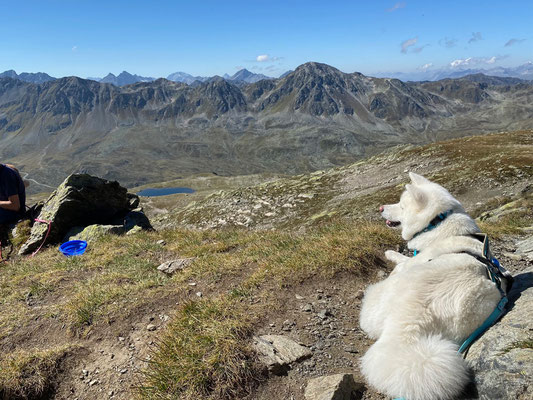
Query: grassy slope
[(51, 305)]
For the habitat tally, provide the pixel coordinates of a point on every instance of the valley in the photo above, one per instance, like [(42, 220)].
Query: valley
[(315, 117)]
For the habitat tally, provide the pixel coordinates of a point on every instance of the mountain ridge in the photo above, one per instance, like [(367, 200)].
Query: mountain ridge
[(314, 118)]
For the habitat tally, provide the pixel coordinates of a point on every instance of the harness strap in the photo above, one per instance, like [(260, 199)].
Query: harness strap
[(491, 320)]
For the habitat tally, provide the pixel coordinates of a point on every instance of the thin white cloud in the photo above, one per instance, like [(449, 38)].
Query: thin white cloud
[(408, 43), (476, 36), (448, 42), (470, 61), (426, 66), (419, 49), (395, 7), (512, 41), (74, 48)]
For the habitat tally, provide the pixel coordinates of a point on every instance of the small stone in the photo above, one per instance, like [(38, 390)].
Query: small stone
[(111, 393), (199, 294), (161, 242), (513, 256), (121, 339), (307, 307), (93, 382), (351, 349), (123, 371), (151, 327), (85, 372), (298, 297), (192, 283), (279, 352), (170, 267)]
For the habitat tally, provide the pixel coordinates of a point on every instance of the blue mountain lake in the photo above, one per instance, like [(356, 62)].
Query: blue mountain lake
[(151, 192)]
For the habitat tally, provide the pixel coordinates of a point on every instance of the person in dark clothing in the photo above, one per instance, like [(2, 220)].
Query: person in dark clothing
[(12, 195)]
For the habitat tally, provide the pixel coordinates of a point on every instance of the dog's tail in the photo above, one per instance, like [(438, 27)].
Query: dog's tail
[(427, 369)]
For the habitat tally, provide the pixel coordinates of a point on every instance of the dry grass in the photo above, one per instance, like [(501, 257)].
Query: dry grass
[(30, 374), (205, 345), (204, 352)]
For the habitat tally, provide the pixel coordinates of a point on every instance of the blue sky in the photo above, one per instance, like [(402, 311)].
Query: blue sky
[(156, 38)]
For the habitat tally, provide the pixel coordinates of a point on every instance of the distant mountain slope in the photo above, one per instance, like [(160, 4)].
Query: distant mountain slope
[(186, 78), (125, 78), (37, 77), (313, 118), (244, 75), (524, 71)]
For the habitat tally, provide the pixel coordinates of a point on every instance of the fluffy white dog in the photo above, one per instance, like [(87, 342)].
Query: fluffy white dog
[(429, 303)]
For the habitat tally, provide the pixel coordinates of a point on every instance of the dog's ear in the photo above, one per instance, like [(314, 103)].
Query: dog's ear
[(417, 179), (418, 195)]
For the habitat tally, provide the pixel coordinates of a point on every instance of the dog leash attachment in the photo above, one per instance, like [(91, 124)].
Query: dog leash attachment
[(45, 237), (495, 316)]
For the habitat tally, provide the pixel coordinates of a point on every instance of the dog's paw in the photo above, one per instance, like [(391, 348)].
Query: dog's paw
[(395, 257)]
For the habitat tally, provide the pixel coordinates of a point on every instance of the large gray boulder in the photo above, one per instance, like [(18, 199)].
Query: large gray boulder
[(81, 200), (502, 359)]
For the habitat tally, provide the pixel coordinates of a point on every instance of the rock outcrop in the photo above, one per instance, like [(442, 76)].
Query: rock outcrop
[(80, 201), (502, 359)]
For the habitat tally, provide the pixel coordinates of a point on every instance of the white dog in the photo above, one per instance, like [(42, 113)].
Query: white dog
[(430, 303)]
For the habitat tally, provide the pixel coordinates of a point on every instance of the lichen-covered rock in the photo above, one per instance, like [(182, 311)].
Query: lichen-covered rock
[(81, 200), (92, 232), (334, 387), (502, 359), (508, 208)]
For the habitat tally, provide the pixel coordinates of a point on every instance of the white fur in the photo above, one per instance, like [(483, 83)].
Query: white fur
[(430, 303)]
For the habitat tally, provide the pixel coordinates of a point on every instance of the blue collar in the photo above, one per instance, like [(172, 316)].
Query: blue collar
[(434, 223)]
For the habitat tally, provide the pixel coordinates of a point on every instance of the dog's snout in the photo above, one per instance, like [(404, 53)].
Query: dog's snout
[(381, 209)]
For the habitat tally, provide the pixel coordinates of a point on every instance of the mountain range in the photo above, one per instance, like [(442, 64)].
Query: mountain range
[(37, 77), (524, 71), (313, 118), (125, 78)]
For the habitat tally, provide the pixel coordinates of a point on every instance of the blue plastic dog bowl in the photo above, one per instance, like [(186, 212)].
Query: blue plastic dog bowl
[(73, 247)]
